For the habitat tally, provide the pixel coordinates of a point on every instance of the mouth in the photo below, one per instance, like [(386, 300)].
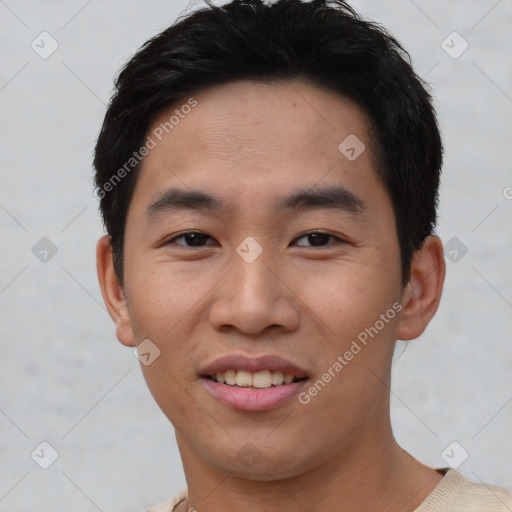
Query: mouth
[(253, 384), (257, 380)]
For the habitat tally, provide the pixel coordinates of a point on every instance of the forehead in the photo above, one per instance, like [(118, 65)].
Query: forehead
[(248, 140)]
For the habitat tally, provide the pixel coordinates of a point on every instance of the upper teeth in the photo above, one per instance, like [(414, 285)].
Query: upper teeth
[(263, 379)]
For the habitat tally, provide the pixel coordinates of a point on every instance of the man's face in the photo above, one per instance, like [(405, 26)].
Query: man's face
[(235, 286)]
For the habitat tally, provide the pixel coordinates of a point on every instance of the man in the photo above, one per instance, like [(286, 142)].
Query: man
[(268, 176)]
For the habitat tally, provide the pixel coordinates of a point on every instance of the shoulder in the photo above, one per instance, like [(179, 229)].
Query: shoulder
[(455, 493), (169, 504)]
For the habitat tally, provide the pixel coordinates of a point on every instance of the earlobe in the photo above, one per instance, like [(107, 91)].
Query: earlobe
[(423, 292), (112, 292)]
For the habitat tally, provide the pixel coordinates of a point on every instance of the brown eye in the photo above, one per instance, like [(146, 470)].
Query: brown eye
[(317, 239), (191, 239)]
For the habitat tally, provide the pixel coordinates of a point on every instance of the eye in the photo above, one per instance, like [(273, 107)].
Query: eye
[(317, 239), (192, 239), (198, 239)]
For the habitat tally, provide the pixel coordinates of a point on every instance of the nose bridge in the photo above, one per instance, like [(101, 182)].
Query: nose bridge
[(252, 275), (252, 298)]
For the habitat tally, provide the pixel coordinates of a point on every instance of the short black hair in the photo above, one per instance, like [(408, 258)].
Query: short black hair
[(324, 42)]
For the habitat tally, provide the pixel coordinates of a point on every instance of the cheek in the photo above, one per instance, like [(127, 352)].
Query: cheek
[(357, 308), (166, 307), (356, 350), (163, 297), (351, 297)]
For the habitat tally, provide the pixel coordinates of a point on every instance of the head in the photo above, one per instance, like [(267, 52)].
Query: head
[(268, 177)]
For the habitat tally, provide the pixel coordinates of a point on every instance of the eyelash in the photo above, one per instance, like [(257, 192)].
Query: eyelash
[(172, 240)]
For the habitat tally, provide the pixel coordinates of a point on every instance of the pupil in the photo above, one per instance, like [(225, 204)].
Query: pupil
[(195, 239), (314, 238)]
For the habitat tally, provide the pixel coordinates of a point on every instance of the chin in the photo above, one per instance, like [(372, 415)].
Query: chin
[(265, 463)]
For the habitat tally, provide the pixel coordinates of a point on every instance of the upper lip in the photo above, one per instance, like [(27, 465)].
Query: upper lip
[(252, 364)]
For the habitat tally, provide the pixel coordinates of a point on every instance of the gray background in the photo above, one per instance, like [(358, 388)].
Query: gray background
[(66, 380)]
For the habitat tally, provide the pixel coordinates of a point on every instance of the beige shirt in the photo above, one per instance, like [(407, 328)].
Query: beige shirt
[(454, 493)]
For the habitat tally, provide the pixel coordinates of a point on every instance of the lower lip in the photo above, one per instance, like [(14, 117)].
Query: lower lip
[(251, 399)]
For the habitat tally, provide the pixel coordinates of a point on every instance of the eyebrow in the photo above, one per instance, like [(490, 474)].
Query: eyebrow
[(332, 196), (176, 199)]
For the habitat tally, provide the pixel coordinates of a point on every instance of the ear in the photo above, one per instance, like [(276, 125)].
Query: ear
[(423, 292), (112, 291)]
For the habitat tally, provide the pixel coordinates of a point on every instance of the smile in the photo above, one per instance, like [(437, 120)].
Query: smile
[(252, 398), (250, 383), (260, 380)]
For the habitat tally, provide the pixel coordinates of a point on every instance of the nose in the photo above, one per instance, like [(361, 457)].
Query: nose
[(255, 298)]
